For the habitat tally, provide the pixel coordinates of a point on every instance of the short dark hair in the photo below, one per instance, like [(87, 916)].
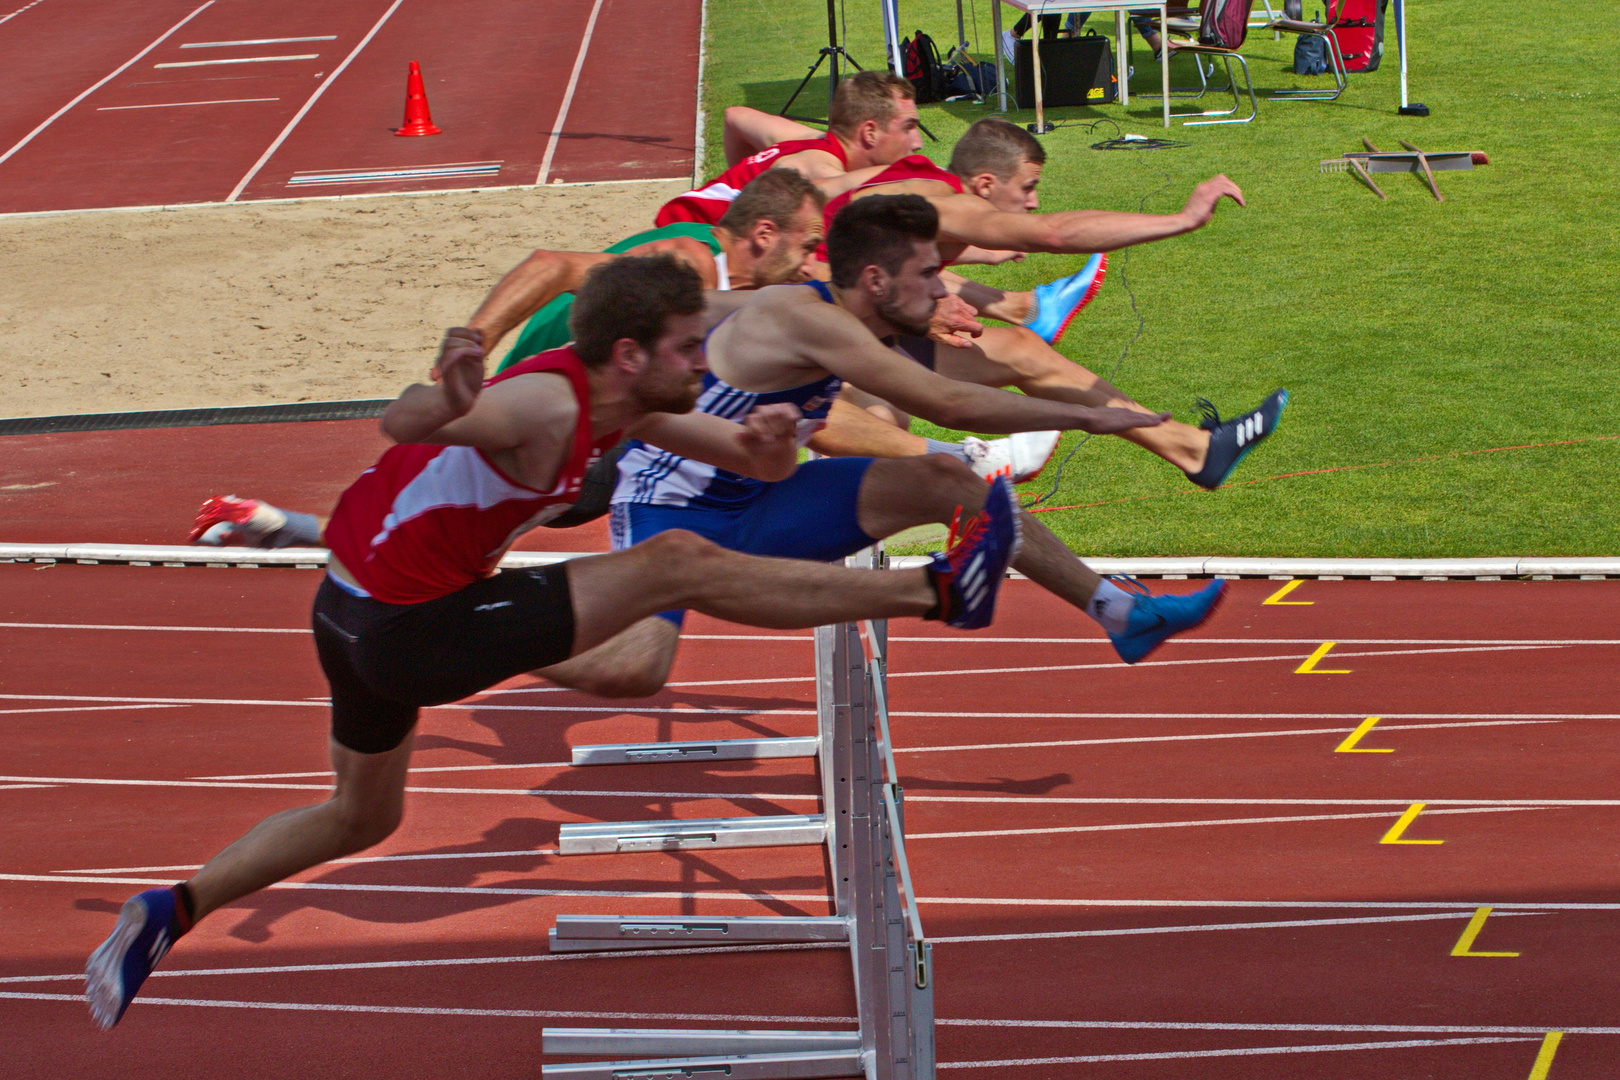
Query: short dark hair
[(866, 95), (631, 297), (878, 230), (775, 196), (994, 146)]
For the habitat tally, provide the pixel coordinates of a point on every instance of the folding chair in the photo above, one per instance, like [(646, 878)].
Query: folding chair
[(1227, 55), (1323, 30)]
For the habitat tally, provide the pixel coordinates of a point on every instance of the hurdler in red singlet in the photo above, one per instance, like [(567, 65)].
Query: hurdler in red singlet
[(427, 520), (708, 204)]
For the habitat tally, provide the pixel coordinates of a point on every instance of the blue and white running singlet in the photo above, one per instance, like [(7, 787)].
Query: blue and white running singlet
[(651, 476)]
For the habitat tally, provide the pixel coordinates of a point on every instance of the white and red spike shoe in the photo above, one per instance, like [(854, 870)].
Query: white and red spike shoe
[(1018, 457), (226, 520)]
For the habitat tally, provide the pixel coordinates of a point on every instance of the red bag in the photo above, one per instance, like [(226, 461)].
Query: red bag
[(1224, 23), (1360, 32)]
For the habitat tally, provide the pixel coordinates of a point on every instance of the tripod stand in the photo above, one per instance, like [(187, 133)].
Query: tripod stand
[(829, 52)]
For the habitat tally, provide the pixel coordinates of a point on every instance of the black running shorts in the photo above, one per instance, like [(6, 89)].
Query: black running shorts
[(386, 661)]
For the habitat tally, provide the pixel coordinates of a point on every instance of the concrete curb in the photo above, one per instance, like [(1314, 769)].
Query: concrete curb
[(1503, 567)]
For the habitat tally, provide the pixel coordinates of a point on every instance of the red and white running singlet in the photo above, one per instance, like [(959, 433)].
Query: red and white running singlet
[(428, 520), (708, 204), (911, 167)]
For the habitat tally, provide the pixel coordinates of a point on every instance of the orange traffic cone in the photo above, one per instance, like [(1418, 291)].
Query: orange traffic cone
[(418, 121)]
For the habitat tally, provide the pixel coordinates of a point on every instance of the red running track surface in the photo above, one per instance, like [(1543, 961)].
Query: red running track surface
[(497, 74), (144, 486), (1181, 877)]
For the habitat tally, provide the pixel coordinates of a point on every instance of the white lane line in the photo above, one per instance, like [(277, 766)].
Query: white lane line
[(179, 629), (480, 890), (970, 639), (26, 139), (237, 60), (965, 639), (636, 710), (951, 901), (422, 769), (1257, 905), (417, 1010), (1104, 800), (423, 856), (1206, 737), (23, 787), (1290, 657), (568, 95), (1137, 931), (264, 158), (1248, 1051), (1391, 1029), (176, 105), (1128, 826), (20, 10), (541, 958), (87, 708), (256, 41), (549, 793)]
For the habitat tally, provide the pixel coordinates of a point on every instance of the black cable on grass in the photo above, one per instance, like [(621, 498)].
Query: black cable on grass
[(1138, 142), (1141, 325)]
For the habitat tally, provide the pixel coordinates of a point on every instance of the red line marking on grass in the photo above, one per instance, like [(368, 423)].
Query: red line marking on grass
[(1334, 469)]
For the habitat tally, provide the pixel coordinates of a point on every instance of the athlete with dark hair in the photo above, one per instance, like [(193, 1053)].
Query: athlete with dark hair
[(412, 613)]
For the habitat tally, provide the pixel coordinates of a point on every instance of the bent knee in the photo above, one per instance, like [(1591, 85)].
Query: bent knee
[(366, 826), (681, 544)]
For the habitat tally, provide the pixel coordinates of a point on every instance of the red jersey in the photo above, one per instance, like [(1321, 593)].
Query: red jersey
[(428, 520), (707, 205), (913, 167)]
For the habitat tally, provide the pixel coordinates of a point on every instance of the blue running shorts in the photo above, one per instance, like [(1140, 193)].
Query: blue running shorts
[(810, 515)]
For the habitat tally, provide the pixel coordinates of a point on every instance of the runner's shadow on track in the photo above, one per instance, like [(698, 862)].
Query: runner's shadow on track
[(517, 835), (540, 736), (640, 140)]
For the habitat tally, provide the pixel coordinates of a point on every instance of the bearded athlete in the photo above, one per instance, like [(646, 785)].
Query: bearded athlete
[(989, 193), (412, 614)]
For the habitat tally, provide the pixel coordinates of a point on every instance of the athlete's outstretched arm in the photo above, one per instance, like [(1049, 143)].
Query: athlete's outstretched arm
[(546, 275), (748, 131), (836, 341), (972, 220), (765, 445), (528, 287)]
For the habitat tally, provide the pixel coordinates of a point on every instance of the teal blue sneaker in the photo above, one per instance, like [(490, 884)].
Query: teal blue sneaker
[(1154, 618), (1058, 302)]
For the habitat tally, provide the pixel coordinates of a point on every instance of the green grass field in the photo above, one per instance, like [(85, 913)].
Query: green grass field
[(1405, 330)]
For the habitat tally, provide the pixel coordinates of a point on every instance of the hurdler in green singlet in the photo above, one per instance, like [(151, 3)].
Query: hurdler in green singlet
[(548, 327)]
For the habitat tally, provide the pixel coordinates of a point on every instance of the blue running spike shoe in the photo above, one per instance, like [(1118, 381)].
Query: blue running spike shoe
[(969, 573), (1058, 302), (117, 968), (1231, 440), (1154, 618)]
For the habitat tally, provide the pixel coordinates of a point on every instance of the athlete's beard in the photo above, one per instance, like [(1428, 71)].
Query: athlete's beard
[(896, 317), (667, 397)]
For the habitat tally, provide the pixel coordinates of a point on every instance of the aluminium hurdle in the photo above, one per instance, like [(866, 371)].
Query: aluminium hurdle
[(862, 826)]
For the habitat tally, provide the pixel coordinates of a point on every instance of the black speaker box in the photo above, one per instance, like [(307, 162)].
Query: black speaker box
[(1074, 71)]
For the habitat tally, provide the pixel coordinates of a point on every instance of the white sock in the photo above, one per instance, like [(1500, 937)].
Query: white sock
[(1111, 606)]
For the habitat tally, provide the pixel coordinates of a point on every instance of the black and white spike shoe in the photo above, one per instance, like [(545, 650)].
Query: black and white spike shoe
[(1231, 440)]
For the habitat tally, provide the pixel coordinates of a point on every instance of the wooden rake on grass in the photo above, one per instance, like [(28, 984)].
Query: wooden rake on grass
[(1414, 160)]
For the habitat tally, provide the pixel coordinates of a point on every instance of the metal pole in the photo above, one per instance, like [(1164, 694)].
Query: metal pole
[(1400, 44), (832, 40)]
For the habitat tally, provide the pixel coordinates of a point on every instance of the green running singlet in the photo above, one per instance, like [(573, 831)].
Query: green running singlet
[(548, 327)]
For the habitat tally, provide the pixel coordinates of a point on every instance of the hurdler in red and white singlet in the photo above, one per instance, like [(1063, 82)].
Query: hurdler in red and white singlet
[(428, 520), (708, 204)]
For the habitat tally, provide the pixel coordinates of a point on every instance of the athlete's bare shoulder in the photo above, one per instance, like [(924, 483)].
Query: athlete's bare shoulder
[(814, 164), (928, 189), (761, 347)]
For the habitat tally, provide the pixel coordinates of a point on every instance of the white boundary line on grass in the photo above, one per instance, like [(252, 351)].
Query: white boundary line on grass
[(59, 113)]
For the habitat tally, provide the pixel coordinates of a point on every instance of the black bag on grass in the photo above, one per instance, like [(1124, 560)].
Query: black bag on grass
[(923, 67), (1310, 55)]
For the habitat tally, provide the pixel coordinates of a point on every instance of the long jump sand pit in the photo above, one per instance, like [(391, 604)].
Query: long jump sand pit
[(256, 304)]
